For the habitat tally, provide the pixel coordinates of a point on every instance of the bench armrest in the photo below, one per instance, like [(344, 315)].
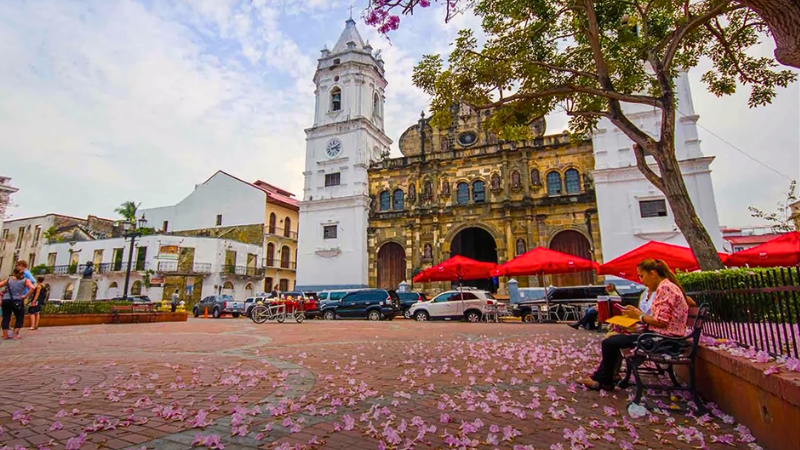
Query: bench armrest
[(657, 344)]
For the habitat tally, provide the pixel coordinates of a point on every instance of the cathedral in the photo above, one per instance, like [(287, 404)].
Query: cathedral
[(370, 220)]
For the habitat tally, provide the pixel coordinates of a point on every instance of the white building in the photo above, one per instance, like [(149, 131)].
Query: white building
[(198, 266), (631, 210), (346, 137), (5, 193), (222, 200)]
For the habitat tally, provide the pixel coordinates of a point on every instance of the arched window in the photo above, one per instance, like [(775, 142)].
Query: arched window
[(553, 183), (285, 254), (386, 201), (287, 227), (67, 292), (462, 193), (572, 181), (516, 180), (536, 180), (136, 288), (94, 290), (270, 254), (397, 200), (336, 99), (521, 248), (376, 104), (272, 219), (478, 192)]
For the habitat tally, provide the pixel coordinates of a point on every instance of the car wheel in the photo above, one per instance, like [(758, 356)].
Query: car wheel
[(236, 315), (407, 313), (527, 318), (374, 315), (473, 316), (421, 316), (217, 313), (329, 315), (196, 312)]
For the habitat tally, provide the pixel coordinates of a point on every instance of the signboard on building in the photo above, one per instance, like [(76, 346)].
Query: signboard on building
[(169, 252), (155, 281)]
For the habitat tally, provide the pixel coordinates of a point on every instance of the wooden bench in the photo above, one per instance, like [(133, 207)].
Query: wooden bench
[(136, 312), (664, 353)]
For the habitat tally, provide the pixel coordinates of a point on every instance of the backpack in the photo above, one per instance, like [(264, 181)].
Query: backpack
[(44, 296)]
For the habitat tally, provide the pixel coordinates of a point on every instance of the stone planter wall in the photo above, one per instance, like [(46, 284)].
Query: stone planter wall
[(61, 320)]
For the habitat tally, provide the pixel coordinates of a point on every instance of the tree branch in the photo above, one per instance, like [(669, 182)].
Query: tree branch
[(571, 88), (641, 164), (673, 41), (593, 36)]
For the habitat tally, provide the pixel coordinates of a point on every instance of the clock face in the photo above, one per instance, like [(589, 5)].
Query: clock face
[(334, 148)]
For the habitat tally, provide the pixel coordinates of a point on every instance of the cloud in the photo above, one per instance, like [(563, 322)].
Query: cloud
[(111, 101)]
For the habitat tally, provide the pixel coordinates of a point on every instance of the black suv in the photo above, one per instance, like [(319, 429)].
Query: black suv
[(372, 304), (575, 294), (409, 298)]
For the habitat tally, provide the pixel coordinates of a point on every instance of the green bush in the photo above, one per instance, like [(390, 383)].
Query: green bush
[(738, 278), (81, 307), (41, 269)]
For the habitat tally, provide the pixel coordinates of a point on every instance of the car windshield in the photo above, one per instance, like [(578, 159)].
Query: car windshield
[(531, 293), (226, 298), (408, 295)]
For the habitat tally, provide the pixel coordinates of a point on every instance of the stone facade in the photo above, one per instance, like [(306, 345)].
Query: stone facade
[(794, 209), (422, 201)]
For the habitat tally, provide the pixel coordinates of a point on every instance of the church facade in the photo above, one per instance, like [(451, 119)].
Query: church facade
[(461, 191)]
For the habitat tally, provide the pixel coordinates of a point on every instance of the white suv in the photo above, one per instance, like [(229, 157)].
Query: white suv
[(469, 304)]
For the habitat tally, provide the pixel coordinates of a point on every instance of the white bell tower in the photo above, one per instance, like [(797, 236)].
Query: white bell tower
[(346, 138)]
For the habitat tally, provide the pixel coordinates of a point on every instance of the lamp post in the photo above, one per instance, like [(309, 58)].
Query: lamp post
[(132, 232)]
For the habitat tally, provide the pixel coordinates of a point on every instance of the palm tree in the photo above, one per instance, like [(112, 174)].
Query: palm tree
[(128, 210)]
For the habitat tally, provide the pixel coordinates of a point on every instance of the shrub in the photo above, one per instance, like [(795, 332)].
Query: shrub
[(81, 307)]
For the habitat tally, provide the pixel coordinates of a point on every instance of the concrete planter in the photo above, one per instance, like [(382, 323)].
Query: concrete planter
[(63, 320)]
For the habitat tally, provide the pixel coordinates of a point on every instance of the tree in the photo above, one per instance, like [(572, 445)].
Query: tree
[(128, 210), (781, 220), (590, 57)]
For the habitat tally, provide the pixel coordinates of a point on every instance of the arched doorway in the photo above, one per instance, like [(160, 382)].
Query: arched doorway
[(478, 244), (573, 243), (136, 288), (391, 265), (248, 290), (113, 290), (227, 288), (67, 295)]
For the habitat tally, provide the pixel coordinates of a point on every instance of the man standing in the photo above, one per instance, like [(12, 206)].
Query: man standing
[(175, 301), (23, 265)]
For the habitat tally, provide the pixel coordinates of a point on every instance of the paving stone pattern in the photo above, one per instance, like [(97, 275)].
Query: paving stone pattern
[(342, 385)]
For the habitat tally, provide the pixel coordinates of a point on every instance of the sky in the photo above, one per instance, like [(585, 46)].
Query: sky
[(109, 101)]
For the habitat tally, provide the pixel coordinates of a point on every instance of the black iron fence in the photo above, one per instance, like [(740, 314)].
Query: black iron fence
[(243, 270), (759, 308), (275, 231), (281, 264), (168, 267)]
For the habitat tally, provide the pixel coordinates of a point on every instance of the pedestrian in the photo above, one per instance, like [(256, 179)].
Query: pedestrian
[(175, 301), (13, 302), (274, 293), (590, 316), (23, 265), (40, 296)]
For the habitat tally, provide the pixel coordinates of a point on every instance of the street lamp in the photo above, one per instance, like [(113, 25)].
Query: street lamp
[(132, 232)]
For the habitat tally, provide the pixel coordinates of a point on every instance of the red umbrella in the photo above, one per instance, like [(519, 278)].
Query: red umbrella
[(676, 257), (540, 261), (783, 251), (457, 268)]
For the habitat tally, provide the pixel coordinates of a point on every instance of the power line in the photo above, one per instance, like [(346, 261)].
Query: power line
[(738, 149)]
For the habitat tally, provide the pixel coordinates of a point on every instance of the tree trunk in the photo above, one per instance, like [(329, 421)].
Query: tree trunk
[(685, 215), (783, 19)]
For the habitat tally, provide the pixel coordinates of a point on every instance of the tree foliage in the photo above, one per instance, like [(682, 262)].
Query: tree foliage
[(780, 220), (128, 210), (590, 57)]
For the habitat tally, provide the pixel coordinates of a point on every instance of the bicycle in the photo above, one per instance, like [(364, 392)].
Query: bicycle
[(263, 313)]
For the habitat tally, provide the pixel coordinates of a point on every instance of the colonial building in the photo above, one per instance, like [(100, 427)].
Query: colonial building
[(5, 193), (461, 191), (160, 264), (631, 210), (23, 238), (254, 213)]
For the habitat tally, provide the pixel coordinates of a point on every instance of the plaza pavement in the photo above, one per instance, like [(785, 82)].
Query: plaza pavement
[(345, 384)]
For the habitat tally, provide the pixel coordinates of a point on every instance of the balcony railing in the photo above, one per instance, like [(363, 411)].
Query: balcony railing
[(278, 264), (175, 267), (275, 231), (110, 267), (243, 270)]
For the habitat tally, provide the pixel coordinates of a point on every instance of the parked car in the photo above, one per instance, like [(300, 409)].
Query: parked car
[(326, 297), (407, 299), (573, 295), (469, 304), (371, 304), (219, 305), (251, 302)]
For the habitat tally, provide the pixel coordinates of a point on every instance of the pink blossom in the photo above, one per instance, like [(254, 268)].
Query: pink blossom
[(762, 357), (771, 370), (491, 439), (56, 426), (75, 443), (349, 422), (444, 418), (793, 364), (625, 445)]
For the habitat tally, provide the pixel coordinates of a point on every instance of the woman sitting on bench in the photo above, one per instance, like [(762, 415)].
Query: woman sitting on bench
[(670, 309)]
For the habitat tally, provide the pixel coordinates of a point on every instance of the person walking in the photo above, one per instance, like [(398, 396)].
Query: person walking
[(13, 301), (175, 301), (40, 296)]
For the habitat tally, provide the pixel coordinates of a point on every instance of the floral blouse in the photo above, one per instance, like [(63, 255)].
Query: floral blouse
[(670, 307)]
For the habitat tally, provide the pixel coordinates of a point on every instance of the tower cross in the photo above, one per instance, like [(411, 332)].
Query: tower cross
[(351, 8)]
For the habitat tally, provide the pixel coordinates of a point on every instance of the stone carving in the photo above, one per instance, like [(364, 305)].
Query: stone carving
[(516, 182), (412, 192), (536, 179), (427, 252), (445, 187), (88, 271), (495, 182), (427, 189)]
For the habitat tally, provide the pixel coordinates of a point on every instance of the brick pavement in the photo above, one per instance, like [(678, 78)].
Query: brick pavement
[(347, 385)]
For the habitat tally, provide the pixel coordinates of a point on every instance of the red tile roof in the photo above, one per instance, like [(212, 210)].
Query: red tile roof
[(750, 240)]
